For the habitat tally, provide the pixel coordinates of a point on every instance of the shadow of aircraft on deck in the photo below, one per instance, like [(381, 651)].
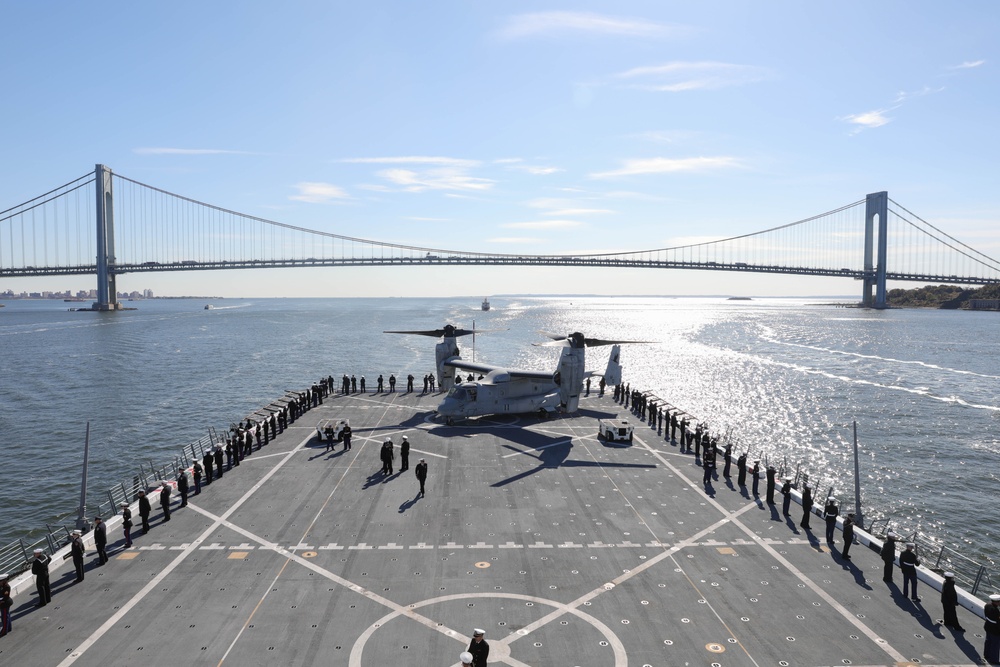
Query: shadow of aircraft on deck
[(550, 452)]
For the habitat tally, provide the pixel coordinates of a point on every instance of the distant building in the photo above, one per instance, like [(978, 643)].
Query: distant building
[(984, 304)]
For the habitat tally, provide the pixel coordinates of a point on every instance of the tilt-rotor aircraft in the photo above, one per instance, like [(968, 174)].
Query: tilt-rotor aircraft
[(511, 391)]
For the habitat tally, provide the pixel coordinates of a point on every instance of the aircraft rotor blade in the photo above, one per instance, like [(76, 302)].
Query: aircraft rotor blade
[(448, 331)]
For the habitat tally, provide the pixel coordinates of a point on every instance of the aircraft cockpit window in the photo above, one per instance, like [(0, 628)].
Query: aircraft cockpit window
[(472, 394), (457, 393)]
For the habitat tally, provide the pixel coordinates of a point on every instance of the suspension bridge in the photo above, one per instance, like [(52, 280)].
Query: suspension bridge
[(141, 228)]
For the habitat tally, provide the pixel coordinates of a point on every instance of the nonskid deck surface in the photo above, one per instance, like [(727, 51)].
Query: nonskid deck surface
[(565, 549)]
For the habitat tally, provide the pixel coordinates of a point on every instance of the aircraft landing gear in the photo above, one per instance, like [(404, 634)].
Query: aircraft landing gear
[(449, 421)]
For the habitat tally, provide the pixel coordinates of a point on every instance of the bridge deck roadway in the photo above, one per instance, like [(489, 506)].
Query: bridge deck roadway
[(566, 550)]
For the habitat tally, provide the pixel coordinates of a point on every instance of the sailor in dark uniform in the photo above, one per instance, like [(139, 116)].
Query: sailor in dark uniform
[(771, 472), (409, 382), (991, 648), (101, 540), (182, 486), (380, 384), (126, 524), (848, 536), (208, 462), (786, 492), (888, 554), (741, 466), (404, 454), (144, 510), (949, 602), (807, 505), (908, 563), (5, 604), (708, 462), (40, 568), (76, 548), (755, 474), (421, 471), (479, 649), (830, 514), (728, 456), (218, 461), (165, 500)]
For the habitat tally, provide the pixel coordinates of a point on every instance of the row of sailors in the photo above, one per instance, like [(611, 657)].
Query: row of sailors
[(239, 443)]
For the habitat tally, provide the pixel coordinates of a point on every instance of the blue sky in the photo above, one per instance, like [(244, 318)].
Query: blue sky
[(510, 127)]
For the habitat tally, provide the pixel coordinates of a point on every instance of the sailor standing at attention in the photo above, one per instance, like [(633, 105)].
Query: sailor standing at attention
[(182, 486), (848, 536), (144, 510), (888, 554), (76, 548), (421, 471), (830, 514), (908, 563), (5, 604), (127, 525), (165, 500), (40, 568), (479, 648), (949, 601), (991, 649), (786, 491), (101, 540), (807, 505), (404, 454), (771, 473)]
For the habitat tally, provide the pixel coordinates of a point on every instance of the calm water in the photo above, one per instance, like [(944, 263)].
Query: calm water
[(785, 377)]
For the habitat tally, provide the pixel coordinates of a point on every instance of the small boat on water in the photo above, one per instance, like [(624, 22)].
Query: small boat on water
[(209, 306), (486, 303)]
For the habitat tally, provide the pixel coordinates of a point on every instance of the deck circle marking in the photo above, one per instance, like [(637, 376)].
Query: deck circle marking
[(500, 646), (482, 564), (715, 648), (309, 554)]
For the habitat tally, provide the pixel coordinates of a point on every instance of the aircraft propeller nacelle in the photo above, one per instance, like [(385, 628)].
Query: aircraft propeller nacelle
[(446, 349), (569, 377)]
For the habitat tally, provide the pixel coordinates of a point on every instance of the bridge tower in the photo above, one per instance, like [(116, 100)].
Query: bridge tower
[(107, 295), (876, 208)]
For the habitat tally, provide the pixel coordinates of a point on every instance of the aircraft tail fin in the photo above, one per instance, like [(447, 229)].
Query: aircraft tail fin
[(613, 373)]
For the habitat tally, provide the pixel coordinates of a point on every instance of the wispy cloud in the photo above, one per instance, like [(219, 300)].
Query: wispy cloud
[(663, 165), (415, 159), (969, 64), (442, 173), (682, 76), (318, 193), (868, 119), (187, 151), (564, 22), (435, 179), (903, 96), (543, 224), (565, 208), (519, 240), (423, 219)]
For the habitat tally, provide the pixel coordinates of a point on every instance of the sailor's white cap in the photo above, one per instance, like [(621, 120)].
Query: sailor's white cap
[(995, 597), (405, 438), (387, 440), (77, 532), (890, 535), (478, 632), (949, 575), (465, 657), (164, 483), (38, 551), (831, 499), (788, 479), (756, 460), (909, 545), (123, 504)]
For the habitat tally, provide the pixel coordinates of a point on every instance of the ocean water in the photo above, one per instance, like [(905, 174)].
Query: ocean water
[(784, 378)]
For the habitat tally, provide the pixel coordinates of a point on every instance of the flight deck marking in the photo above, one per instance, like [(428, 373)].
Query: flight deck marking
[(109, 624), (843, 611)]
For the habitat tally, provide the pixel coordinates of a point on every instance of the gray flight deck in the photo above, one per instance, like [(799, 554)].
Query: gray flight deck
[(565, 549)]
